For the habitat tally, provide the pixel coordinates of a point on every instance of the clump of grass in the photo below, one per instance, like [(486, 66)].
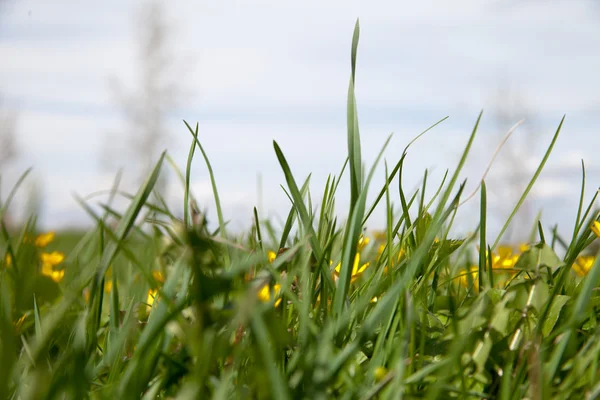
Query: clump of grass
[(179, 311)]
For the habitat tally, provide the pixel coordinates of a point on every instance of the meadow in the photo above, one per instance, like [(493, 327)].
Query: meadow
[(148, 305)]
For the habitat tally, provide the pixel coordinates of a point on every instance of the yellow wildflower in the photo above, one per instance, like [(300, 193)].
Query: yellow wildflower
[(362, 242), (152, 295), (44, 239), (504, 259), (271, 255), (54, 258), (381, 248), (463, 279), (356, 271), (380, 235), (264, 293), (8, 260), (523, 247), (380, 253), (108, 286), (51, 260), (596, 228), (158, 276), (583, 265)]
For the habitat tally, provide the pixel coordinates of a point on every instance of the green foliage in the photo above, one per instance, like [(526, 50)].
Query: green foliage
[(159, 307)]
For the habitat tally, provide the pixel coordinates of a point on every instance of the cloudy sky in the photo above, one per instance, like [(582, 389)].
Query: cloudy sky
[(258, 71)]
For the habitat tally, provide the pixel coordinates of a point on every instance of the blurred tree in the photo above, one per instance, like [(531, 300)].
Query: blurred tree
[(512, 170), (8, 137), (8, 124), (158, 91), (8, 155)]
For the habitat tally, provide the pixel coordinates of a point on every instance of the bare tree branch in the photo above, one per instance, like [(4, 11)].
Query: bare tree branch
[(8, 137), (156, 94)]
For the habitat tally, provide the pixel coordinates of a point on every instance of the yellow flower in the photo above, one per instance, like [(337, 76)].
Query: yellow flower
[(380, 235), (380, 250), (44, 239), (51, 260), (463, 279), (504, 260), (362, 243), (152, 295), (356, 271), (596, 228), (108, 286), (158, 276), (271, 255), (264, 293), (583, 265), (8, 260), (523, 247)]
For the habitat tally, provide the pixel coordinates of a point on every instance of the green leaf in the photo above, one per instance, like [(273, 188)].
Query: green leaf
[(540, 255), (354, 153), (279, 388), (554, 313), (304, 217)]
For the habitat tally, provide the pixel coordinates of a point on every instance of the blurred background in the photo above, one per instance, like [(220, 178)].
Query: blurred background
[(91, 88)]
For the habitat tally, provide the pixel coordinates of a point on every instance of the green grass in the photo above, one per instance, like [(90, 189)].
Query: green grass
[(157, 307)]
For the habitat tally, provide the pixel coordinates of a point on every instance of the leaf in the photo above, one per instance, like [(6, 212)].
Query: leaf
[(540, 255), (541, 295), (554, 313), (501, 316)]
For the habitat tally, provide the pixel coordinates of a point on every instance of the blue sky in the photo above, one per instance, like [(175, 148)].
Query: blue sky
[(264, 70)]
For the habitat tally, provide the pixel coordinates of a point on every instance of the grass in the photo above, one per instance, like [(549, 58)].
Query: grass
[(157, 307)]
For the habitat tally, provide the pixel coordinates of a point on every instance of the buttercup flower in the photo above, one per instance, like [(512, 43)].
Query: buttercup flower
[(264, 293), (380, 235), (381, 248), (596, 228), (271, 255), (51, 260), (356, 271), (583, 265), (362, 242), (505, 259), (44, 239), (158, 276), (152, 295), (463, 279)]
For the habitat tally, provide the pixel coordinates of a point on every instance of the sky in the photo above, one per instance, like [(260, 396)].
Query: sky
[(258, 71)]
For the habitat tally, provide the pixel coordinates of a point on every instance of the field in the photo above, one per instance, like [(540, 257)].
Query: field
[(147, 305)]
